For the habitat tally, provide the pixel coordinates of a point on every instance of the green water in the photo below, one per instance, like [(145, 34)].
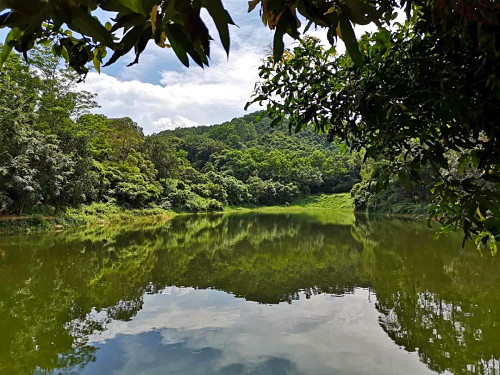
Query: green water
[(256, 293)]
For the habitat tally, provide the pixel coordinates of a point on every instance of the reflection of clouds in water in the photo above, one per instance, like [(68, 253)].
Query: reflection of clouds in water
[(190, 331), (145, 353)]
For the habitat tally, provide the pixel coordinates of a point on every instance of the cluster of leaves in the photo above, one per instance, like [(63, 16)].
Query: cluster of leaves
[(52, 153), (396, 197), (428, 97), (80, 37), (76, 34), (34, 164)]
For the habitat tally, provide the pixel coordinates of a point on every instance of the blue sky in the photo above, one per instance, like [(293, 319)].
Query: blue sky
[(160, 93)]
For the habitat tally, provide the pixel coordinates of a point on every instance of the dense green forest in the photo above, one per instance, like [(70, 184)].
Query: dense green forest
[(55, 154), (246, 162)]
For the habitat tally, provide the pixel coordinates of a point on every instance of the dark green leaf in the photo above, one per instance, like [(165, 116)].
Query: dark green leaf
[(278, 46), (176, 45), (127, 43), (349, 39), (135, 5), (252, 4), (222, 19), (11, 38), (85, 24), (142, 43)]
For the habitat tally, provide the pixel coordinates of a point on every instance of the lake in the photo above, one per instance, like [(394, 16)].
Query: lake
[(313, 292)]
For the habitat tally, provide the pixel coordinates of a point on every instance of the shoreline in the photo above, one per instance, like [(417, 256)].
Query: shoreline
[(12, 225), (105, 214)]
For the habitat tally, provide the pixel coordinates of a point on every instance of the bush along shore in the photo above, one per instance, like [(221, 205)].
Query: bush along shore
[(112, 214), (94, 214)]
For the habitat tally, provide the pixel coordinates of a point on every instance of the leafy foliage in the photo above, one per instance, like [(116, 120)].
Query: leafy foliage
[(265, 166), (427, 99), (80, 37), (32, 167)]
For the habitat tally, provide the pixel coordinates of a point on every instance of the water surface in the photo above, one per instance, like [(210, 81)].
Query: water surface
[(315, 292)]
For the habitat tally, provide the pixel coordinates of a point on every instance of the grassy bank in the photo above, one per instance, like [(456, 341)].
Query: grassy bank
[(341, 201), (94, 214), (324, 208), (109, 214)]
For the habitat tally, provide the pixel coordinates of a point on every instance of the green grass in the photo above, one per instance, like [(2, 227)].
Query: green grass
[(25, 224), (340, 201), (108, 212), (324, 208), (100, 214)]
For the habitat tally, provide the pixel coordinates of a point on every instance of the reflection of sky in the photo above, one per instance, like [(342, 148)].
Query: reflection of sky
[(187, 331)]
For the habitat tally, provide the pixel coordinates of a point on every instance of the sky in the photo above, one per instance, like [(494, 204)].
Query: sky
[(160, 93)]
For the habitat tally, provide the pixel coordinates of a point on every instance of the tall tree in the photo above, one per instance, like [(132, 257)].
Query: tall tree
[(59, 99), (428, 96), (32, 168)]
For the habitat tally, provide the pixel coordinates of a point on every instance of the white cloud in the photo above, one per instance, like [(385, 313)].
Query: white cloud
[(166, 123), (317, 335), (187, 98), (159, 93)]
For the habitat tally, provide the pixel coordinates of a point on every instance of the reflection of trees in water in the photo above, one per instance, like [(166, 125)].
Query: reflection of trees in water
[(446, 337), (57, 291), (265, 258), (52, 285), (49, 288), (437, 299)]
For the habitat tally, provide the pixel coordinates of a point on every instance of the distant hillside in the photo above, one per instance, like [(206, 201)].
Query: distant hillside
[(249, 162), (247, 132)]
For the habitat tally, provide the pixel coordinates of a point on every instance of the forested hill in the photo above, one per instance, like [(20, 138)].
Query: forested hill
[(249, 162), (54, 154), (248, 131)]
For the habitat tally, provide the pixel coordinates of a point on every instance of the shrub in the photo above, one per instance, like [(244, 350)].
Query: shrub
[(237, 191), (215, 205), (37, 221)]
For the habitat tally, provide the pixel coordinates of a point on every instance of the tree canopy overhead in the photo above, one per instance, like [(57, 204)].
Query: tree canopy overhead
[(80, 37), (427, 101)]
